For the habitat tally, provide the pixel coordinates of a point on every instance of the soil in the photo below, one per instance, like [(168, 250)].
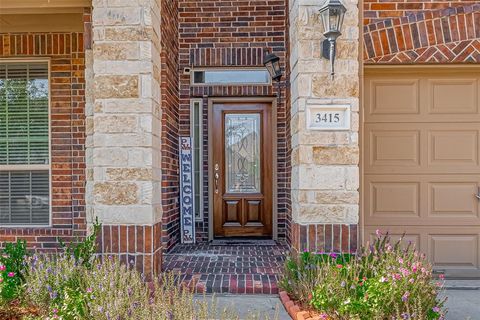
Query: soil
[(16, 311)]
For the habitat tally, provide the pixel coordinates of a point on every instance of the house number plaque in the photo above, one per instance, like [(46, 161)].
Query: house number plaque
[(328, 117)]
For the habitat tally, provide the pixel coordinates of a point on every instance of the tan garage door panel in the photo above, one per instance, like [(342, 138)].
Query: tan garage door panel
[(448, 248), (422, 162), (422, 148), (408, 97), (409, 200)]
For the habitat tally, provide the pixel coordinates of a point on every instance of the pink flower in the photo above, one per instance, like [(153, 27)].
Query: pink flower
[(400, 260), (411, 280), (378, 233), (55, 310), (442, 277), (436, 309), (324, 316), (2, 268), (11, 274), (1, 280), (339, 266), (89, 290), (405, 272)]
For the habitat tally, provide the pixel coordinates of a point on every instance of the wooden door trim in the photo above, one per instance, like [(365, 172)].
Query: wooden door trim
[(273, 102)]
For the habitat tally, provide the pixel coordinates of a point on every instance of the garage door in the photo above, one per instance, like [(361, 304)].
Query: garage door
[(422, 162)]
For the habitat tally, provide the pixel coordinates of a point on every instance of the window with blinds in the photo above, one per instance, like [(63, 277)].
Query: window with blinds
[(24, 143)]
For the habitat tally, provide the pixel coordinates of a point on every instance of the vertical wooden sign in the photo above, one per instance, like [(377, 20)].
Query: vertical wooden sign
[(187, 215)]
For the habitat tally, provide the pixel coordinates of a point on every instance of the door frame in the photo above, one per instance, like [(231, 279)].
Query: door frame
[(273, 102)]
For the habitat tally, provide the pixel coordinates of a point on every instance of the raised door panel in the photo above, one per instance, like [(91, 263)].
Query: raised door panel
[(453, 96), (393, 199), (389, 97), (394, 148), (456, 250), (453, 200), (253, 211), (233, 213), (453, 147)]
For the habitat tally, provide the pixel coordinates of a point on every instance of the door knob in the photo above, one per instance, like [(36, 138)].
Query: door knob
[(478, 194)]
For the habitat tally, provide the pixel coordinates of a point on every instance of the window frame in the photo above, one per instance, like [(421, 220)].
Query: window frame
[(36, 167), (200, 205), (219, 69)]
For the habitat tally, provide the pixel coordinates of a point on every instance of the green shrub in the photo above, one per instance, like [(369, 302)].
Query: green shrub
[(84, 251), (12, 270), (384, 281)]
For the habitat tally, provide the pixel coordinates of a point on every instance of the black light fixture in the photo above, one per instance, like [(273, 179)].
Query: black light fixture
[(272, 62), (332, 14)]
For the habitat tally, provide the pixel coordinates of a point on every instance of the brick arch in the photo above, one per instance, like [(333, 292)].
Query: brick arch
[(449, 35)]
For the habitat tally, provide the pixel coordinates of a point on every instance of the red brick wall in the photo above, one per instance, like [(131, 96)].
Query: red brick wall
[(226, 33), (170, 123), (377, 10), (67, 96), (424, 35)]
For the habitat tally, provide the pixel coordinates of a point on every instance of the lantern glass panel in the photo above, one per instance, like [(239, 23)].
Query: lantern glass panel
[(270, 69), (334, 19), (325, 17)]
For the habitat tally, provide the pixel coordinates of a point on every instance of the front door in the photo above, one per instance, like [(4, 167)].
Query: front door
[(242, 169)]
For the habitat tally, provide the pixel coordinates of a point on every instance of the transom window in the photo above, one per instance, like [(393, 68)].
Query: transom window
[(24, 144), (231, 76)]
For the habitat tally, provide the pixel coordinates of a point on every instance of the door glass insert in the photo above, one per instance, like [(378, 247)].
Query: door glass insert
[(242, 153)]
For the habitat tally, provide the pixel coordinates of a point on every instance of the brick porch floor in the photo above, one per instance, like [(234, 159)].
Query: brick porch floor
[(236, 269)]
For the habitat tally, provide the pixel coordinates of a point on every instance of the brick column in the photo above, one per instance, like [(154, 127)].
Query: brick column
[(123, 130), (325, 169)]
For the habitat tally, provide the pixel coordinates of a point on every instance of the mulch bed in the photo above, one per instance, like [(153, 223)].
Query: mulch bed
[(16, 311)]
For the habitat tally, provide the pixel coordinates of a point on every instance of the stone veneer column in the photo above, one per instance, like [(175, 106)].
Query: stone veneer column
[(325, 164), (123, 130)]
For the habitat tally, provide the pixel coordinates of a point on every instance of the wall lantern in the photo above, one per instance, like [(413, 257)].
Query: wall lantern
[(332, 14), (272, 63)]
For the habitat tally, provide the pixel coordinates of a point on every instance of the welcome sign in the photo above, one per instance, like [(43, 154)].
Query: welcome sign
[(186, 191)]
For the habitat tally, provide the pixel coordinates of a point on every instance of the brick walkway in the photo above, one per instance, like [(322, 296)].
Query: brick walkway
[(236, 269)]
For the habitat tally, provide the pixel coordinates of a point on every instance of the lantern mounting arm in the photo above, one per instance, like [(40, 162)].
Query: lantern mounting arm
[(329, 49)]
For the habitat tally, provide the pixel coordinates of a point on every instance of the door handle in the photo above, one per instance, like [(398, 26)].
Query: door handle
[(478, 194), (216, 177)]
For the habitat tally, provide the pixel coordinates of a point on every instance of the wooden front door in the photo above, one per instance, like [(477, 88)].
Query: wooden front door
[(242, 169)]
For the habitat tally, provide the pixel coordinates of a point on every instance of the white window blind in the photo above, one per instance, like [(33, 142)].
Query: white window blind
[(24, 143)]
